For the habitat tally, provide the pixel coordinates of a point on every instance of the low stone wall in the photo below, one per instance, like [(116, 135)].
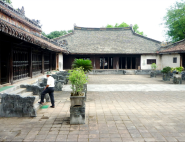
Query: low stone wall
[(122, 72), (13, 105)]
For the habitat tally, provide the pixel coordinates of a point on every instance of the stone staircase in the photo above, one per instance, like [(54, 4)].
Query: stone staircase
[(19, 103)]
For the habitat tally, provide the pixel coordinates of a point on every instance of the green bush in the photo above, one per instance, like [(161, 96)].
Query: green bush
[(77, 78), (85, 64), (179, 69), (153, 66), (166, 70)]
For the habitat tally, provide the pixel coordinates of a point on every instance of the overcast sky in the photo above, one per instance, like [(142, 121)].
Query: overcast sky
[(63, 14)]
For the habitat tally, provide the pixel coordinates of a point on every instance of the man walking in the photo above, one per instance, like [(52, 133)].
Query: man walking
[(49, 89)]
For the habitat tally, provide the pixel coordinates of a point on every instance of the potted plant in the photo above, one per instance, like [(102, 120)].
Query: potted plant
[(86, 66), (166, 73), (173, 71), (177, 79), (77, 78), (153, 72)]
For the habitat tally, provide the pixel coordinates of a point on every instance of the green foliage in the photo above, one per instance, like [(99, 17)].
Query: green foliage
[(56, 34), (179, 69), (85, 64), (175, 22), (173, 69), (8, 1), (122, 25), (166, 69), (77, 78), (109, 26), (153, 66)]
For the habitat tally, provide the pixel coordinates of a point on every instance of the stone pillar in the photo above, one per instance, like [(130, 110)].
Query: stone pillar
[(60, 62)]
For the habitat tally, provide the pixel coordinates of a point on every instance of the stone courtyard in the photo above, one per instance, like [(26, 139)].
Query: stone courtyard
[(112, 115)]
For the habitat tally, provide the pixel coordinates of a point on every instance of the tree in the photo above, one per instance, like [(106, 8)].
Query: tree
[(135, 27), (56, 34), (8, 1), (175, 22)]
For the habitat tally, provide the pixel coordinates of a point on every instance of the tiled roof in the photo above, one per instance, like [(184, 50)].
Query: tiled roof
[(24, 35), (176, 47), (9, 11), (108, 40)]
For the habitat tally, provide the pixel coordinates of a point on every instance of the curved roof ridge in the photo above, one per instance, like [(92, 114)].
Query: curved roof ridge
[(63, 36), (105, 29)]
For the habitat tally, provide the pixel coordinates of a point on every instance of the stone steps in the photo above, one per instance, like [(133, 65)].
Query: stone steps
[(18, 91), (24, 95)]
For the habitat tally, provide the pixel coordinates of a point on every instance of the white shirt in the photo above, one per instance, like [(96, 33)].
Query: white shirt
[(51, 81)]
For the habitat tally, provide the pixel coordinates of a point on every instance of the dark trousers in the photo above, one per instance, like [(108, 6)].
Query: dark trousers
[(49, 90)]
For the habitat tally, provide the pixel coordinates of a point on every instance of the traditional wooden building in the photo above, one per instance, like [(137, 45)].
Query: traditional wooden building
[(24, 52), (110, 48), (173, 54)]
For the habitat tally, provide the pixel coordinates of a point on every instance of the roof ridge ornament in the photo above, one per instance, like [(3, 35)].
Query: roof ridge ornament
[(22, 11)]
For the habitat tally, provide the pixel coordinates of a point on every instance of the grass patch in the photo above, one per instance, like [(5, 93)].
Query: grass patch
[(44, 106), (6, 87)]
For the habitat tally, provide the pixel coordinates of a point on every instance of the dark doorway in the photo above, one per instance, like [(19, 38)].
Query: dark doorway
[(110, 62), (133, 62), (106, 63), (129, 62)]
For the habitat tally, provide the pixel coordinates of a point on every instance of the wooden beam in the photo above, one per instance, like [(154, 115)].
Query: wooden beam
[(181, 60), (130, 62), (125, 62), (42, 62), (30, 63), (11, 64)]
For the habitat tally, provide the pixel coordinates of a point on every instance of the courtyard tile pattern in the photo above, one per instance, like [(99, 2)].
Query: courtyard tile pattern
[(110, 117), (127, 79)]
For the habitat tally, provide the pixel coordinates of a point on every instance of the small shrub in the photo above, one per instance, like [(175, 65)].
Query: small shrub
[(85, 64), (77, 78), (153, 66), (166, 69), (179, 69)]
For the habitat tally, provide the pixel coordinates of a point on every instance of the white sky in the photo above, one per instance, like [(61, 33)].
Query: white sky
[(56, 15)]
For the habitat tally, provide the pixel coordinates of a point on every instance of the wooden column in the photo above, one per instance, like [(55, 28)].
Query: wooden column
[(121, 62), (130, 62), (30, 62), (42, 62), (125, 62), (11, 64), (0, 63), (108, 62), (181, 60), (50, 62)]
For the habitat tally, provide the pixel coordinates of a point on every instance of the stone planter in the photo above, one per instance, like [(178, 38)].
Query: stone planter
[(153, 74), (77, 115), (166, 76), (78, 100), (77, 109), (177, 79)]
